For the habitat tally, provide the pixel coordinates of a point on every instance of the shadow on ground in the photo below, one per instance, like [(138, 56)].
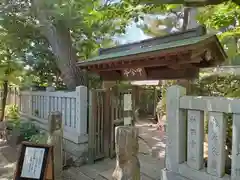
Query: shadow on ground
[(7, 161), (150, 139), (151, 156)]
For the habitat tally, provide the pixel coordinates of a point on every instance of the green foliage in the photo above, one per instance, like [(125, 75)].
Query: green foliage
[(91, 25), (219, 16), (13, 123), (28, 129), (224, 18), (215, 85), (224, 86), (12, 112), (40, 138)]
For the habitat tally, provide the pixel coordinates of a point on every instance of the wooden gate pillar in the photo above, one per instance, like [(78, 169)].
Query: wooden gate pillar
[(107, 123), (135, 103), (91, 127)]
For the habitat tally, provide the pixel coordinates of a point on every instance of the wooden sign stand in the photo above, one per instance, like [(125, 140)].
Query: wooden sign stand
[(35, 162)]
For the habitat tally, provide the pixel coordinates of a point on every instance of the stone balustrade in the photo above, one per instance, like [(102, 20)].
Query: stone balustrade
[(185, 131)]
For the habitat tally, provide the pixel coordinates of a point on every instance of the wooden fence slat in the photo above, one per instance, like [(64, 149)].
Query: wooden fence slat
[(91, 132)]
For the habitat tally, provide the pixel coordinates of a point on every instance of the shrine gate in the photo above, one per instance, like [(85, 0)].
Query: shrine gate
[(176, 56)]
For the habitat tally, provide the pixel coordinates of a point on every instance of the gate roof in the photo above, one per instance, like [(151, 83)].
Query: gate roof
[(175, 56)]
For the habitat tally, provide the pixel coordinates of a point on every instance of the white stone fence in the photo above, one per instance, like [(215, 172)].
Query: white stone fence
[(37, 105), (185, 131)]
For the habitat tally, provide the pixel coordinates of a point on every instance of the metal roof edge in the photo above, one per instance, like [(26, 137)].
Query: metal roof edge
[(92, 61)]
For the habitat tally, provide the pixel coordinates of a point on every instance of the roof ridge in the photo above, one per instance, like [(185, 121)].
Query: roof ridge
[(195, 32), (163, 46)]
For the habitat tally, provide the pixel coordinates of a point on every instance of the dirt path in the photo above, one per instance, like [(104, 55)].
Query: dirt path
[(151, 139), (7, 161), (151, 166)]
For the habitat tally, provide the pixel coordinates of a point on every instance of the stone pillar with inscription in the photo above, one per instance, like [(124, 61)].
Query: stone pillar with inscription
[(235, 174), (216, 144), (195, 139), (55, 138), (127, 109), (176, 129), (127, 163)]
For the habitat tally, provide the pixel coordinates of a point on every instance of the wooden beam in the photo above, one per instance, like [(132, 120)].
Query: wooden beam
[(159, 74), (152, 54), (156, 74), (199, 52), (134, 74), (110, 75), (182, 66), (150, 62), (194, 56)]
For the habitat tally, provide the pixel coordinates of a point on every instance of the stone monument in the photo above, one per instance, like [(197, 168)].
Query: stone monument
[(55, 138), (127, 163)]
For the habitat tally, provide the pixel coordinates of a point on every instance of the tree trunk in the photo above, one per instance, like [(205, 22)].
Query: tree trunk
[(4, 99), (66, 57), (59, 38)]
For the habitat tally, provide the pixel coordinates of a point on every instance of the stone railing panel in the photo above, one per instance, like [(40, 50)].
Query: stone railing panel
[(37, 105), (216, 144), (195, 139), (235, 174)]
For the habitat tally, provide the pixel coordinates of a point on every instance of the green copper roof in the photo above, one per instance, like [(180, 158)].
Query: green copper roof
[(160, 47)]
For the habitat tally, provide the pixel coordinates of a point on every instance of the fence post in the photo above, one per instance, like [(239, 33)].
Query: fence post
[(91, 127), (48, 108), (30, 102), (55, 138), (176, 128), (81, 109)]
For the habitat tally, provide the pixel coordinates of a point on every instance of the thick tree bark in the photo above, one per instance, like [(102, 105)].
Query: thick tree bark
[(59, 38), (4, 99)]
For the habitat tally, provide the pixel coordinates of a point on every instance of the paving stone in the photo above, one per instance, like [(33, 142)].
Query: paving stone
[(99, 177), (145, 177), (108, 174), (6, 168), (102, 170), (104, 165), (74, 174), (88, 171)]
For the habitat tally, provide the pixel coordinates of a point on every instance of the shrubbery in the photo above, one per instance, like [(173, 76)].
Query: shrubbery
[(27, 129)]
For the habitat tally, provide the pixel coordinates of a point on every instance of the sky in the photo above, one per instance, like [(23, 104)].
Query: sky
[(133, 34)]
